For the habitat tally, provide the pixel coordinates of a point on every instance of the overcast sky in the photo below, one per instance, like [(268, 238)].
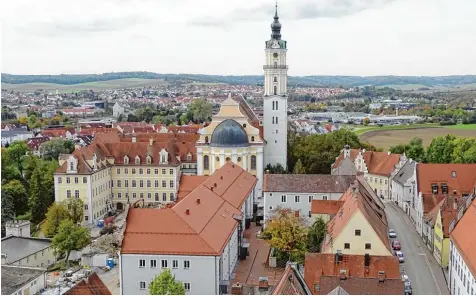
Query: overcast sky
[(325, 37)]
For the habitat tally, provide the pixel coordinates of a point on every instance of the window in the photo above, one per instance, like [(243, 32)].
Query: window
[(156, 196), (324, 197), (206, 162), (149, 195), (310, 198), (434, 188), (126, 171), (171, 183), (76, 180), (156, 171), (253, 162), (164, 196), (148, 171), (386, 181), (357, 232), (118, 183), (118, 171), (217, 158), (141, 171), (85, 180), (297, 198), (119, 195), (174, 263), (148, 160), (148, 183), (206, 139), (153, 263), (156, 183), (239, 159), (126, 183), (142, 195), (60, 180), (252, 138), (368, 246), (283, 198), (171, 171), (276, 119), (171, 196), (68, 193), (275, 79), (137, 160), (126, 160), (444, 188), (186, 264), (275, 90), (86, 207), (71, 166), (347, 246), (76, 193), (276, 105), (187, 287), (164, 263), (68, 180), (164, 183), (142, 285), (141, 263), (141, 183), (163, 171), (134, 195)]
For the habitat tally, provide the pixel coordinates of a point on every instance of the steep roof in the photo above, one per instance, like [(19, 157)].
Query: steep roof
[(340, 158), (292, 283), (306, 183), (362, 286), (320, 265), (15, 277), (188, 184), (464, 242), (330, 207), (93, 285), (199, 224), (459, 177), (379, 163), (358, 198), (405, 172)]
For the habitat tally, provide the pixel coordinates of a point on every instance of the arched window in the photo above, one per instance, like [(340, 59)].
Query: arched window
[(252, 138), (137, 160), (275, 91), (126, 160), (276, 105), (206, 139), (149, 159), (244, 125), (206, 162), (71, 166), (228, 159), (273, 105), (253, 162), (275, 79), (275, 64), (273, 119), (276, 120)]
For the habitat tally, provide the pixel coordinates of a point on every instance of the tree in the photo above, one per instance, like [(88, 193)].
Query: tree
[(464, 150), (52, 149), (57, 213), (201, 110), (32, 121), (70, 237), (17, 191), (8, 212), (440, 149), (276, 169), (316, 235), (38, 197), (298, 168), (287, 233), (75, 208), (415, 149), (16, 153), (165, 284)]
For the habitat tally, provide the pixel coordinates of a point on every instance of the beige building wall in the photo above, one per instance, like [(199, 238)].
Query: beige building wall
[(380, 184), (357, 243), (43, 258)]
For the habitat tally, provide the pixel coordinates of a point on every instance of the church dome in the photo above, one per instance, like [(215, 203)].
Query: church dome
[(229, 133)]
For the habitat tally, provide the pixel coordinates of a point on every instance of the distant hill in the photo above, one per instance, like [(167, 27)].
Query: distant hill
[(423, 81)]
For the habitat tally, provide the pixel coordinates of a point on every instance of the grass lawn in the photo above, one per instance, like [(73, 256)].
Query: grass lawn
[(365, 129), (463, 126)]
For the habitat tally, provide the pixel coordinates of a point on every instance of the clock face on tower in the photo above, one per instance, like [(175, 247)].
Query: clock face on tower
[(275, 55)]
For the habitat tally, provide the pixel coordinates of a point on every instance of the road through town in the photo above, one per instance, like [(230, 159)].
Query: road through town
[(420, 266)]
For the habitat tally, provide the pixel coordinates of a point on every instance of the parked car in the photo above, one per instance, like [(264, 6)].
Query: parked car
[(396, 245), (392, 234), (408, 285), (399, 254)]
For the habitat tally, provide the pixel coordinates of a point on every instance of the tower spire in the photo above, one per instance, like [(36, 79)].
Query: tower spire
[(276, 26)]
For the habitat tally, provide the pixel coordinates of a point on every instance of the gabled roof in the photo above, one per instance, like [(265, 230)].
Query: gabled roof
[(461, 237), (306, 183), (359, 198), (361, 286), (292, 283), (405, 172), (200, 224), (379, 163), (92, 285), (459, 177), (330, 207)]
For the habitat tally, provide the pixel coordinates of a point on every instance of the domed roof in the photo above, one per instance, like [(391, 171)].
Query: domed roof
[(229, 133)]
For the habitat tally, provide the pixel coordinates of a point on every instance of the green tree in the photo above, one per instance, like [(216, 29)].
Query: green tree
[(32, 121), (441, 149), (165, 284), (298, 168), (70, 237), (16, 152), (39, 200), (287, 233), (276, 169), (317, 233), (18, 192), (56, 214), (75, 208), (201, 110), (464, 150), (52, 149), (8, 212), (415, 150)]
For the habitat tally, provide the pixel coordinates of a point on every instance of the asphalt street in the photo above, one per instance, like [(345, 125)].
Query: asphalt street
[(422, 269)]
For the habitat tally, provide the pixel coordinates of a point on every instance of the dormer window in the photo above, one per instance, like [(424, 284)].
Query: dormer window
[(206, 139), (164, 156), (444, 188), (149, 159), (189, 157), (71, 166), (137, 159), (434, 188), (126, 160), (252, 138), (453, 174)]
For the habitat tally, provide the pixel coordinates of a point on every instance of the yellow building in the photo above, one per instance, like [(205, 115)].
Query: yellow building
[(360, 226), (441, 235), (233, 135), (113, 171)]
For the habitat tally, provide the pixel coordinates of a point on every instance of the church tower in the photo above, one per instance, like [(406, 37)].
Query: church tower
[(275, 100)]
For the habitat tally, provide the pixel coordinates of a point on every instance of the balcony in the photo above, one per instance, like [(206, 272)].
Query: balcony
[(266, 67)]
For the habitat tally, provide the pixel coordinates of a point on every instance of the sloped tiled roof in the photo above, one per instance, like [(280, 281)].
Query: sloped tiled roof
[(362, 286), (306, 183), (461, 237), (92, 285), (199, 224), (330, 207), (405, 172), (432, 173), (292, 283)]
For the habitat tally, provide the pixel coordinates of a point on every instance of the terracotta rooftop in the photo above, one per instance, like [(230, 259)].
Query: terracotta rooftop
[(188, 184), (199, 224), (306, 183), (330, 207), (319, 265), (93, 285), (379, 163), (361, 286), (464, 242), (292, 283), (459, 177)]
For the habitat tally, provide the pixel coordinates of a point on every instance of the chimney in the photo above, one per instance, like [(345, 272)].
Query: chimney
[(389, 152), (187, 211), (363, 150), (215, 184), (263, 283), (151, 141), (221, 177), (198, 201), (381, 276), (367, 260), (343, 274), (237, 289)]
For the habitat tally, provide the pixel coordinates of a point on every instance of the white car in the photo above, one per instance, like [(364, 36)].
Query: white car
[(392, 234), (399, 254)]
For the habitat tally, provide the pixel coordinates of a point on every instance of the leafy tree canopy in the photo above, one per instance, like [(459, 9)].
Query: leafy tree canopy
[(165, 284), (70, 237)]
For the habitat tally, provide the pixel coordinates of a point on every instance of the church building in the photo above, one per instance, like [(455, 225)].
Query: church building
[(235, 133)]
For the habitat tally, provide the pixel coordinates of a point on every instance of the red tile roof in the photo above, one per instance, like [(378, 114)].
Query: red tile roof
[(199, 224), (361, 286), (306, 183), (379, 163), (291, 283), (462, 239), (93, 285), (318, 265), (430, 173), (188, 184), (330, 207)]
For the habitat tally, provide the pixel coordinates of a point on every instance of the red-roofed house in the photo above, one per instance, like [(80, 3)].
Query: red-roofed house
[(199, 238)]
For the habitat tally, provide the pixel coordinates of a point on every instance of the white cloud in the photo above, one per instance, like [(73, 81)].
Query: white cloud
[(325, 37)]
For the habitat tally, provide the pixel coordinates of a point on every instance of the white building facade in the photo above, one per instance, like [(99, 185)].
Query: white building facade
[(275, 102), (461, 280)]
